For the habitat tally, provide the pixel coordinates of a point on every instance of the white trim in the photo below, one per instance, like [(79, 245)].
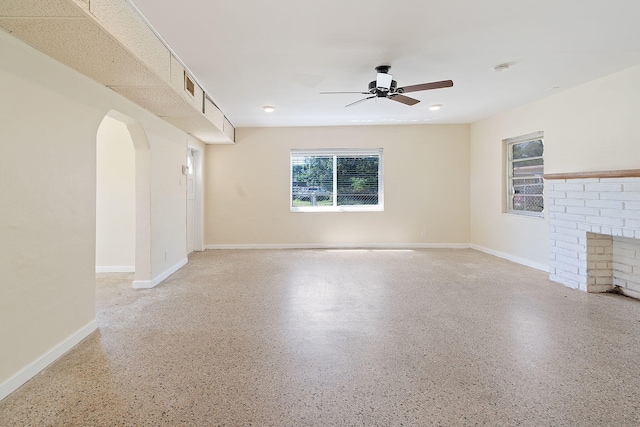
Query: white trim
[(35, 367), (498, 254), (142, 284), (525, 138), (523, 261), (148, 284), (342, 246), (198, 205), (116, 269), (330, 152), (343, 208)]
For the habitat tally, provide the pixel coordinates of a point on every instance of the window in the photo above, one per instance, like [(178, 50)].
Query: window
[(525, 166), (336, 180)]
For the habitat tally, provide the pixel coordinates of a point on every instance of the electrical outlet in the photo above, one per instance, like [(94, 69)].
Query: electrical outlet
[(166, 255), (423, 233)]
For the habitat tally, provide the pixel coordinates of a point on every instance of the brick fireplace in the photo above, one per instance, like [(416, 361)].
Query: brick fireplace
[(594, 229)]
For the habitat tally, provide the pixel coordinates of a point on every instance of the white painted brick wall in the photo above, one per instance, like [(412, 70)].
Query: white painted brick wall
[(569, 202), (610, 204), (634, 206), (584, 195), (605, 221), (603, 186), (632, 223), (580, 211), (632, 186), (571, 186), (630, 196), (555, 208)]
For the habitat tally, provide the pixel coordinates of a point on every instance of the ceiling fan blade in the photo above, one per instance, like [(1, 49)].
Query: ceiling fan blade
[(403, 99), (359, 101), (426, 86), (333, 93)]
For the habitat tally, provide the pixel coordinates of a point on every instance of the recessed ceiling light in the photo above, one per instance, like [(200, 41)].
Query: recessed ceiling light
[(268, 108), (435, 107)]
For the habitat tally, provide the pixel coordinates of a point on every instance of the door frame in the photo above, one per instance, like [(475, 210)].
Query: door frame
[(198, 204)]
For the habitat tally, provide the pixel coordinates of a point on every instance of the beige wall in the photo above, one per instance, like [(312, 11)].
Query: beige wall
[(168, 198), (589, 128), (50, 118), (115, 197), (426, 184)]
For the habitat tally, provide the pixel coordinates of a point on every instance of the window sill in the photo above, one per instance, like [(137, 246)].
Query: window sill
[(534, 215), (338, 209)]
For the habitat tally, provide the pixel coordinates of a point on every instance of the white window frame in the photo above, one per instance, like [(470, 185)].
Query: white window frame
[(335, 153), (509, 189)]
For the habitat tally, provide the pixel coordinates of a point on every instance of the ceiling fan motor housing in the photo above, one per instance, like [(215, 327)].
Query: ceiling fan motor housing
[(374, 90)]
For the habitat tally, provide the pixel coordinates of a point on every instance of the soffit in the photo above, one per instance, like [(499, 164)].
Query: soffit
[(112, 45), (78, 43), (121, 21), (39, 8), (161, 101)]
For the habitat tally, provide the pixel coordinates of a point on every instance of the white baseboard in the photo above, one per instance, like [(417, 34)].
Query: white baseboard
[(148, 284), (342, 246), (142, 284), (513, 258), (116, 269), (35, 367), (509, 257)]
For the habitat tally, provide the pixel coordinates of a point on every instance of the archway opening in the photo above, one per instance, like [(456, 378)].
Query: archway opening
[(123, 198)]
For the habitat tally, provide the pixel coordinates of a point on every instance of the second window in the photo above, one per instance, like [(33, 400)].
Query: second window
[(336, 180)]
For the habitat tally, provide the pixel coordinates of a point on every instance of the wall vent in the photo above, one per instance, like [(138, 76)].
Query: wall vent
[(189, 86)]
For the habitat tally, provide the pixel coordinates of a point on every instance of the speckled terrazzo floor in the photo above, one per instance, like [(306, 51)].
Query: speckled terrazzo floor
[(345, 338)]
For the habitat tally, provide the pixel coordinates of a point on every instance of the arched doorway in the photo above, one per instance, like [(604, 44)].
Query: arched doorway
[(123, 204)]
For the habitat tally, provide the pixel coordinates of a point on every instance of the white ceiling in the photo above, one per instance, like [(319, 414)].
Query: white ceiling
[(251, 53)]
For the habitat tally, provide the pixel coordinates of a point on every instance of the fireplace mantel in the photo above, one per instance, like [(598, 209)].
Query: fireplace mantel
[(624, 173)]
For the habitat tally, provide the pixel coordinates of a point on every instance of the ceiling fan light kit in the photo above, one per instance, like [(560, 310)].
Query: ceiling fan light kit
[(385, 87)]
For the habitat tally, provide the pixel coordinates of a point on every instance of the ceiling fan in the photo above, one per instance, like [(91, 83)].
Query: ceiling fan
[(385, 87)]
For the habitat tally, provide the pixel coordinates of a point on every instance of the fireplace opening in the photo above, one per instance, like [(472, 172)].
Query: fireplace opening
[(613, 264)]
